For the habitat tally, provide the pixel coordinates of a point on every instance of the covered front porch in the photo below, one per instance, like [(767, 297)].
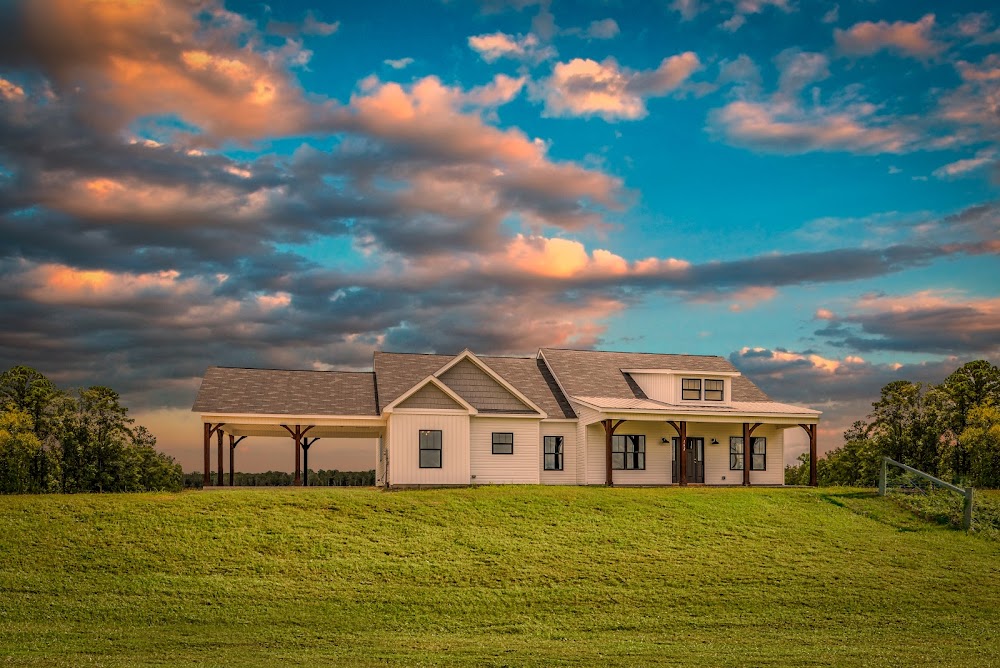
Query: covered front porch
[(303, 431), (638, 442)]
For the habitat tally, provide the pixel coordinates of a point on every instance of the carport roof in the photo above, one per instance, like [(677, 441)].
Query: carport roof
[(228, 390)]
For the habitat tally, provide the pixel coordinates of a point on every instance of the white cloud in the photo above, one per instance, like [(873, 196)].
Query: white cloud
[(584, 87), (399, 63), (491, 47)]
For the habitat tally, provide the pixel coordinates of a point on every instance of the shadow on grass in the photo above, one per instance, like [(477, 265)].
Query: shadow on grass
[(867, 503)]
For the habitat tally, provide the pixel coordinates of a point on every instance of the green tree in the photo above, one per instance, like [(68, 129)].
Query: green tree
[(905, 424), (25, 389), (981, 440), (971, 385), (25, 464)]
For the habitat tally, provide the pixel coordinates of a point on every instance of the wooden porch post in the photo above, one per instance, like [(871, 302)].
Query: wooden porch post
[(682, 436), (609, 431), (207, 480), (748, 430), (233, 442), (746, 454), (811, 430), (220, 480)]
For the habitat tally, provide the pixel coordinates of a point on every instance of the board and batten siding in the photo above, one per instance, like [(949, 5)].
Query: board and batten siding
[(568, 475), (518, 468), (404, 448), (658, 455)]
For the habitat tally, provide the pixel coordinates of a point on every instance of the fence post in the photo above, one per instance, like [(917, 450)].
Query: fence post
[(967, 518), (881, 478)]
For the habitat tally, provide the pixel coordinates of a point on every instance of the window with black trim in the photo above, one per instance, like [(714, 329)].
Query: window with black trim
[(691, 388), (503, 443), (552, 453), (758, 453), (628, 452), (430, 448), (714, 389)]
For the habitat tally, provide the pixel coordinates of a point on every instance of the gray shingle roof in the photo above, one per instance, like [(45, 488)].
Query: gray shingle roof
[(398, 372), (598, 373), (282, 392)]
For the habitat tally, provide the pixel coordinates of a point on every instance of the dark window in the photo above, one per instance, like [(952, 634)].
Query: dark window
[(430, 448), (552, 453), (503, 443), (691, 388), (713, 390), (735, 453), (628, 451), (758, 454)]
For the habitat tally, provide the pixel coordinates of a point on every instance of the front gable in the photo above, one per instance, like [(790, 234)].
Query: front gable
[(481, 390), (430, 396), (473, 380)]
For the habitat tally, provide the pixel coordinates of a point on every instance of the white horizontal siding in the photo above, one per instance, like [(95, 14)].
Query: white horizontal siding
[(518, 468), (568, 475), (404, 449), (658, 454), (717, 470), (583, 465)]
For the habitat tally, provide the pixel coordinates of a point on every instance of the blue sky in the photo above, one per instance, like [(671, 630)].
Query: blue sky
[(807, 188)]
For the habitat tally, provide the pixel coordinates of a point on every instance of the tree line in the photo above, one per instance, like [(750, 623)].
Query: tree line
[(320, 478), (951, 431), (53, 440)]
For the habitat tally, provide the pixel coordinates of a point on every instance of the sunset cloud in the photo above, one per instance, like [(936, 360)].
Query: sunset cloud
[(584, 87), (868, 37)]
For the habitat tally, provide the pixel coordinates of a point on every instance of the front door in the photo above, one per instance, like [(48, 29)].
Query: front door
[(695, 468)]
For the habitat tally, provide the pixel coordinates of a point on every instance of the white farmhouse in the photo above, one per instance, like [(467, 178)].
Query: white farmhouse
[(562, 417)]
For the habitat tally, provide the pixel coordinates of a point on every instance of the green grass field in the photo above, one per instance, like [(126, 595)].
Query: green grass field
[(492, 576)]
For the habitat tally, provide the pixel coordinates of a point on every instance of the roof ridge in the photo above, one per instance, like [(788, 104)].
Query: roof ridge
[(257, 368), (632, 352)]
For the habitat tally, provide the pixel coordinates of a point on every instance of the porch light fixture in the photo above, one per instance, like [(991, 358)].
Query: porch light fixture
[(715, 441), (663, 440)]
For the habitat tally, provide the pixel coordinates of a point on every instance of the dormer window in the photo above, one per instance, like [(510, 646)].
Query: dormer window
[(691, 389), (714, 390)]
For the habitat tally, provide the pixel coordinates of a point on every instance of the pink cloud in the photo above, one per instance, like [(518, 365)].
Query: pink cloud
[(867, 37), (584, 87), (784, 126), (129, 60)]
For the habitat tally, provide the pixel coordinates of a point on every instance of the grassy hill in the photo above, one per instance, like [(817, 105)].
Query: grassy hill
[(491, 576)]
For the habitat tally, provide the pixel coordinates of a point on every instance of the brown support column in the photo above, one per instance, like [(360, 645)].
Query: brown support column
[(609, 431), (746, 454), (207, 480), (306, 444), (682, 465), (232, 450), (682, 429), (298, 455), (219, 480), (811, 429)]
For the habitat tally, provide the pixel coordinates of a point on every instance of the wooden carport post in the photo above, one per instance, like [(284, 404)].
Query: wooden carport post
[(219, 480), (811, 430), (305, 458), (609, 431), (297, 434), (748, 431), (209, 430), (233, 442), (682, 433)]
